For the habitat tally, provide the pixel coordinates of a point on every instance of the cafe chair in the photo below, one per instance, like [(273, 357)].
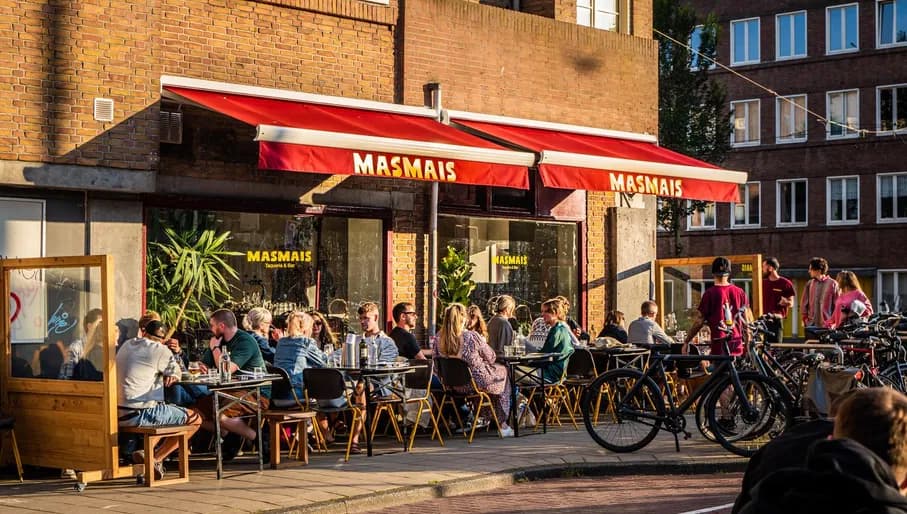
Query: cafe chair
[(420, 379), (7, 425), (556, 396), (328, 384), (458, 383), (285, 408), (581, 371)]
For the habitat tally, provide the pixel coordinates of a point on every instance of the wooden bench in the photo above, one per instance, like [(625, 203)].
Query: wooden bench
[(277, 418), (155, 434)]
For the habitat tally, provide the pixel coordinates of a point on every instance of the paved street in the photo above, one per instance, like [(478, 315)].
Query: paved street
[(631, 494), (330, 485)]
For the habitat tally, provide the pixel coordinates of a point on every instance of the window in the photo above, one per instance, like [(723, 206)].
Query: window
[(892, 290), (599, 14), (791, 203), (790, 40), (745, 41), (791, 115), (891, 190), (747, 212), (891, 22), (745, 117), (695, 43), (703, 218), (843, 200), (892, 107), (842, 33), (843, 114)]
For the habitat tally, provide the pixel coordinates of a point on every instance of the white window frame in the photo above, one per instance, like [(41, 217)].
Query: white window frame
[(828, 199), (879, 43), (703, 227), (793, 35), (856, 133), (779, 102), (778, 222), (878, 287), (894, 106), (746, 41), (828, 50), (758, 139), (592, 10), (893, 219), (746, 202)]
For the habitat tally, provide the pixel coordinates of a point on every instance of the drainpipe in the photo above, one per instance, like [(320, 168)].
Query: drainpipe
[(435, 90)]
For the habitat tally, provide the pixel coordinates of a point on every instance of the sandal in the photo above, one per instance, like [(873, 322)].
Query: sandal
[(354, 449)]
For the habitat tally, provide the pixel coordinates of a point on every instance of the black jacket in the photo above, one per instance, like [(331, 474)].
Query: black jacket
[(840, 476)]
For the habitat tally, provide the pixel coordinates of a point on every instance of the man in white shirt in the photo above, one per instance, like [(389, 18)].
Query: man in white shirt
[(645, 330)]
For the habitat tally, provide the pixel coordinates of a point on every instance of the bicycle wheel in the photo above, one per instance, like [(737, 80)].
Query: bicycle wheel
[(702, 421), (619, 418), (743, 431), (894, 379)]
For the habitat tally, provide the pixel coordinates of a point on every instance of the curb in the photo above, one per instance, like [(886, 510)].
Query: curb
[(485, 482)]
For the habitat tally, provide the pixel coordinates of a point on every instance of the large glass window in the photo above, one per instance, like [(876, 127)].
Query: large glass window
[(599, 14), (747, 212), (745, 41), (745, 117), (843, 114), (892, 107), (892, 22), (791, 119), (842, 28), (790, 30), (843, 200), (891, 193), (531, 261), (293, 261), (791, 197), (893, 290)]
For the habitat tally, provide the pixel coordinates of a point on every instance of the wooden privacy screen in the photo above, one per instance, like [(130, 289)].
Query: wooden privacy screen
[(60, 423)]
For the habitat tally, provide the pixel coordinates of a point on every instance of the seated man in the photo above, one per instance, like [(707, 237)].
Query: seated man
[(862, 469), (144, 367), (244, 355), (645, 330)]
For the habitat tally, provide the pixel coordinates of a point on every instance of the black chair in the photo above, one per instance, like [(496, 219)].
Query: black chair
[(328, 384), (7, 426), (420, 379), (283, 394), (581, 371), (458, 383)]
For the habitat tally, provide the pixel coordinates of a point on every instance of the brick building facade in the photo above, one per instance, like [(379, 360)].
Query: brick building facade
[(816, 188), (103, 185)]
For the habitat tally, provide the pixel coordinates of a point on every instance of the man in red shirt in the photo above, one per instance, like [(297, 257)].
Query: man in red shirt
[(777, 296), (721, 306)]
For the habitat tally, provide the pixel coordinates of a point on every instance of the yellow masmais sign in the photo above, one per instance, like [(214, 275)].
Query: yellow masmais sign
[(279, 256)]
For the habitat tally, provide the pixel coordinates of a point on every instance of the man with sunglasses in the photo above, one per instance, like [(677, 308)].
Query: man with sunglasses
[(405, 317)]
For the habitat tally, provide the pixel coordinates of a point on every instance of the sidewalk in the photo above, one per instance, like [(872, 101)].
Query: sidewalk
[(328, 484)]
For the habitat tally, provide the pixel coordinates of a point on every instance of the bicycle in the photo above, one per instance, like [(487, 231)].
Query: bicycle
[(624, 409)]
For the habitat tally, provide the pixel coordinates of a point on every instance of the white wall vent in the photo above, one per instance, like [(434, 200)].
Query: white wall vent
[(171, 127), (103, 109)]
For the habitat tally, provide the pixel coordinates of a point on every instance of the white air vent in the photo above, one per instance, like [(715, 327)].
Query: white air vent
[(171, 127), (103, 109)]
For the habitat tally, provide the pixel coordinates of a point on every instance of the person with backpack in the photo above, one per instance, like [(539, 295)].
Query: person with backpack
[(724, 308)]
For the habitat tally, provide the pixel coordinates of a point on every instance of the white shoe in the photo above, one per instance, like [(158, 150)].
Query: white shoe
[(507, 432)]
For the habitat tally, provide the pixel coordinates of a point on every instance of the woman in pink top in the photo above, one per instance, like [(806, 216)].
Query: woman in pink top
[(850, 292)]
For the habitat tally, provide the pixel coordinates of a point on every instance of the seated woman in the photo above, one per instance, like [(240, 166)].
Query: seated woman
[(614, 327), (455, 341), (321, 331), (258, 323), (297, 351)]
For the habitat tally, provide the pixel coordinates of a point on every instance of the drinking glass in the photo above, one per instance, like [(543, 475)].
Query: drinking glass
[(258, 371), (328, 355), (195, 369)]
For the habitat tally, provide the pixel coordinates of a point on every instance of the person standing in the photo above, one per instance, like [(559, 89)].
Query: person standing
[(850, 292), (645, 330), (819, 296), (777, 296), (500, 331), (721, 307), (405, 317)]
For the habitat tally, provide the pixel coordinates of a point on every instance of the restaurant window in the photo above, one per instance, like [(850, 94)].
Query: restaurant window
[(747, 212), (843, 114), (531, 261), (891, 190), (843, 200), (892, 22), (842, 32), (290, 261)]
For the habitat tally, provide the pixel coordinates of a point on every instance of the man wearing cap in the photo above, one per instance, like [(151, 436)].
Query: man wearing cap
[(721, 307), (144, 367), (777, 296)]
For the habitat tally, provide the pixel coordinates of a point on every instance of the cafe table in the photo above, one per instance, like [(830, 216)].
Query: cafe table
[(227, 394), (377, 378), (619, 357), (529, 369)]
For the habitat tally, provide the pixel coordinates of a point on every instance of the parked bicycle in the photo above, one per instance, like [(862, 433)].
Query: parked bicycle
[(624, 409)]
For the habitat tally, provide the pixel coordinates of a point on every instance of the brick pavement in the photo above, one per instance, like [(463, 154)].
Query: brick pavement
[(330, 485)]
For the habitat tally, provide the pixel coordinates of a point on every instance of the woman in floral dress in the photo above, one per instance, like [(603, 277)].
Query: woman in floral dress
[(455, 341)]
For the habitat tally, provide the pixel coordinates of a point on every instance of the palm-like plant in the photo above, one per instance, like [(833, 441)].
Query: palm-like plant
[(455, 282), (187, 271)]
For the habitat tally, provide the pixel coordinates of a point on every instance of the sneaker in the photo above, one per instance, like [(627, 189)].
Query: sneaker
[(507, 432), (482, 423)]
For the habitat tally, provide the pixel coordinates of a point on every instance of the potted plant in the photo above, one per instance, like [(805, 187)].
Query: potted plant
[(455, 282)]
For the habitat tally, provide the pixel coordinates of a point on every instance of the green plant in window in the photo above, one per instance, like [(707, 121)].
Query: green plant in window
[(455, 282), (187, 272)]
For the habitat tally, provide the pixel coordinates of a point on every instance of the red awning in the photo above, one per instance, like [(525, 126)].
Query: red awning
[(598, 160), (311, 133)]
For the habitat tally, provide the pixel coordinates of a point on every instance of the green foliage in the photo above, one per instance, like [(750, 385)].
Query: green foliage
[(455, 282), (187, 273), (693, 113)]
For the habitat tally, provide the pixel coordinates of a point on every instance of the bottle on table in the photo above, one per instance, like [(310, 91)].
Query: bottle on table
[(363, 352), (225, 365)]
